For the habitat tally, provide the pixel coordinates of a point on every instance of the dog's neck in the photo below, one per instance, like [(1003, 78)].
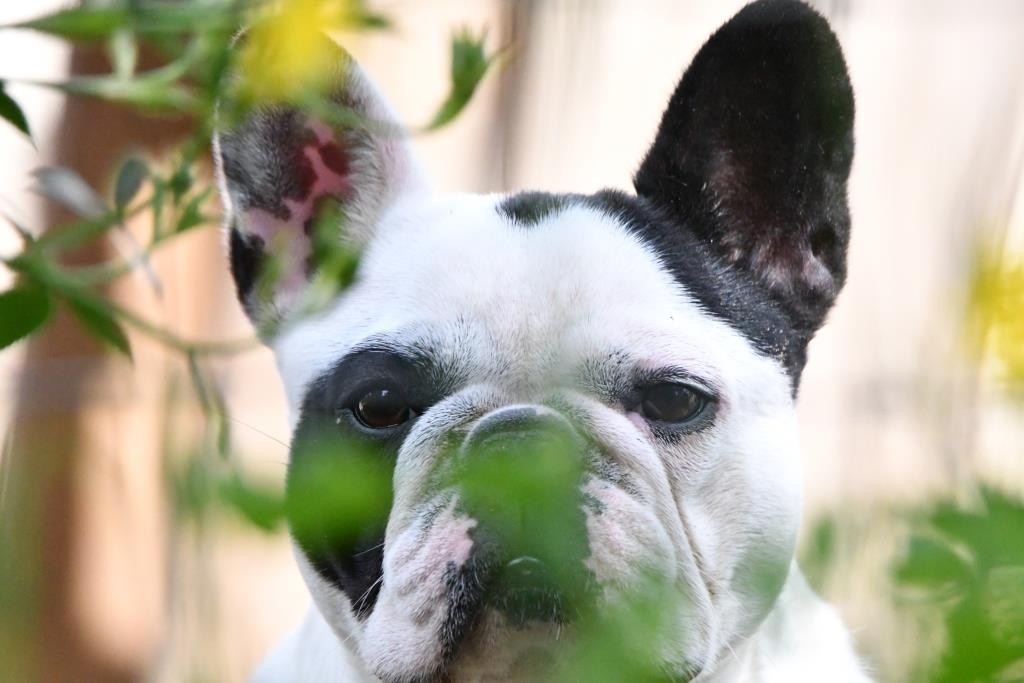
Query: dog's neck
[(802, 639)]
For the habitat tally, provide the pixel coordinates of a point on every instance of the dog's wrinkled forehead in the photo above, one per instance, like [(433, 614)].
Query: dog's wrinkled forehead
[(529, 289)]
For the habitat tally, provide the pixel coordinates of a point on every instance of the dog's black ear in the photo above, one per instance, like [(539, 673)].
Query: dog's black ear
[(280, 168), (754, 151)]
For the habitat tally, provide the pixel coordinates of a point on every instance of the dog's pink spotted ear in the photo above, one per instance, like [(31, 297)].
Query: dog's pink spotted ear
[(280, 168)]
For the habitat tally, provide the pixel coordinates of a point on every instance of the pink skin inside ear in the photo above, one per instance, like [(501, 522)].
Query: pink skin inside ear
[(328, 170)]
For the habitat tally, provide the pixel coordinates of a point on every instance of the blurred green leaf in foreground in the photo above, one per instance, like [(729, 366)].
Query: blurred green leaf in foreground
[(971, 561)]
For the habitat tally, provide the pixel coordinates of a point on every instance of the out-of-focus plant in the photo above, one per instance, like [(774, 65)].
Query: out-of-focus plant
[(280, 59), (966, 562), (334, 496), (996, 312), (958, 576), (971, 562), (200, 60)]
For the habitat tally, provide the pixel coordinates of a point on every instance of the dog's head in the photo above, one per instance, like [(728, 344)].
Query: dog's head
[(626, 362)]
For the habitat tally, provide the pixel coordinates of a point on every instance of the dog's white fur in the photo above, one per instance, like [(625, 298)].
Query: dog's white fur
[(523, 312), (801, 641), (730, 495)]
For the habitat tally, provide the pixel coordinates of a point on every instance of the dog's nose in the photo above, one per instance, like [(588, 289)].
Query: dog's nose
[(523, 431), (517, 464), (520, 472)]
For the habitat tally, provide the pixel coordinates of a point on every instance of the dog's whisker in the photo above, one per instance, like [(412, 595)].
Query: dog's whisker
[(366, 594), (258, 431), (369, 550)]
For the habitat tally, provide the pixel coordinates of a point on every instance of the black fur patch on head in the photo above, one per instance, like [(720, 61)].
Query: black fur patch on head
[(730, 295), (530, 208), (754, 151)]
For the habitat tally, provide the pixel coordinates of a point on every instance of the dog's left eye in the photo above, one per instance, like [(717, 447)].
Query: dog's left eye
[(382, 409), (672, 403)]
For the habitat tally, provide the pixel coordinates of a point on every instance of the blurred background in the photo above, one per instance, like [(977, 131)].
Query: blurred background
[(901, 401)]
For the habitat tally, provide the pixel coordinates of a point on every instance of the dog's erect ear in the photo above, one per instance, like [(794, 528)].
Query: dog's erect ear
[(280, 167), (754, 151)]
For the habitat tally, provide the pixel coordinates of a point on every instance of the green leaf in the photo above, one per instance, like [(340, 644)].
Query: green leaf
[(191, 215), (11, 112), (469, 66), (338, 490), (124, 53), (262, 506), (129, 180), (23, 310), (932, 563), (96, 23), (80, 23), (153, 93), (67, 188), (180, 182), (157, 204), (100, 322)]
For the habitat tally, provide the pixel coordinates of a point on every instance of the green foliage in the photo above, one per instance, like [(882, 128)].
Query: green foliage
[(23, 310), (129, 181), (620, 641), (972, 563), (65, 187), (195, 37), (470, 63), (101, 321), (98, 21), (536, 510), (338, 490), (261, 505), (11, 112), (336, 260)]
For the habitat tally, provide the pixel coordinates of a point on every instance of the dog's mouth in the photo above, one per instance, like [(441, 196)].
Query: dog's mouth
[(513, 583), (560, 629), (496, 564), (520, 482), (522, 582)]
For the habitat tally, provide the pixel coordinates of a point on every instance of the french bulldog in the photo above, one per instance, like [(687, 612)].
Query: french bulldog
[(652, 340)]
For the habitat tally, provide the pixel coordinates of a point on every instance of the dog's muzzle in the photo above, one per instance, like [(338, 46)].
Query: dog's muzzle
[(519, 476)]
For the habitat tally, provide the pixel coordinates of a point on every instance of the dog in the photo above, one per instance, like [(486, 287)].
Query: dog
[(653, 339)]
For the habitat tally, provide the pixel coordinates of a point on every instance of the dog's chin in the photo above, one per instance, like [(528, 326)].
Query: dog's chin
[(500, 648), (493, 647)]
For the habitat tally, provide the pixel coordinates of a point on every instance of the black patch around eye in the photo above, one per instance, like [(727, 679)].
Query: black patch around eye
[(527, 209), (339, 490)]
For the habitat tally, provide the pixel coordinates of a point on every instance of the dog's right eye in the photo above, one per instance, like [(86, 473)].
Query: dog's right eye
[(672, 403), (382, 409)]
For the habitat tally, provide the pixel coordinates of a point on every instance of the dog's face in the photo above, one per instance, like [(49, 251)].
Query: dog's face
[(648, 345)]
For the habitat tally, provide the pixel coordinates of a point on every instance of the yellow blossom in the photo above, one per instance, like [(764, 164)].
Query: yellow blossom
[(287, 54), (997, 312)]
